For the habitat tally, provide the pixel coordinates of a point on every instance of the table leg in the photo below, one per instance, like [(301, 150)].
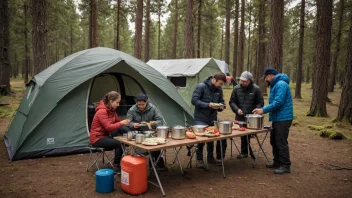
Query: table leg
[(176, 153), (173, 161), (156, 174), (231, 146), (156, 160), (206, 157), (260, 148), (190, 160), (233, 141), (222, 159), (123, 149)]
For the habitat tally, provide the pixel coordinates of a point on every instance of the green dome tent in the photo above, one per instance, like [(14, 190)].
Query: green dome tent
[(52, 118), (186, 74)]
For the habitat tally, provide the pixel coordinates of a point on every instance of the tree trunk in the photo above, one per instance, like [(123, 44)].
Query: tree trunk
[(276, 33), (300, 52), (332, 81), (249, 38), (90, 36), (242, 39), (5, 68), (159, 28), (95, 23), (71, 38), (261, 48), (26, 50), (147, 24), (323, 39), (174, 52), (138, 32), (199, 27), (307, 74), (39, 35), (222, 39), (117, 44), (65, 46), (227, 32), (235, 40), (15, 67), (345, 107), (189, 46)]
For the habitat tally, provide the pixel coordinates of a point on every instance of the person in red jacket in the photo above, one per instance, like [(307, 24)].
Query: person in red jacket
[(106, 124)]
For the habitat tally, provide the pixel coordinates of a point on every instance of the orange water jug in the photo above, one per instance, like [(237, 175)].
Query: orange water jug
[(134, 174)]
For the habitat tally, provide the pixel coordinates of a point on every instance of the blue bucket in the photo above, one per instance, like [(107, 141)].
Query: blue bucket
[(104, 181)]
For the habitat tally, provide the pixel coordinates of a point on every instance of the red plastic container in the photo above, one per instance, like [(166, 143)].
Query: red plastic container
[(134, 174)]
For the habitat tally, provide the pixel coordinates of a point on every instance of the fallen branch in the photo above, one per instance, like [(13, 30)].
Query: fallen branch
[(337, 167)]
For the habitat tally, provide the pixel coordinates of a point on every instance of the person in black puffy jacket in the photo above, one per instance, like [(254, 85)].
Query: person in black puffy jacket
[(245, 97), (205, 95)]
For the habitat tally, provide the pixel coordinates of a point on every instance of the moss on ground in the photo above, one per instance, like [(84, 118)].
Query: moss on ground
[(328, 131)]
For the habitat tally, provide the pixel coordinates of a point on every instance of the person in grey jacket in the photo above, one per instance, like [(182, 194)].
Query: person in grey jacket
[(144, 111), (245, 97), (204, 96)]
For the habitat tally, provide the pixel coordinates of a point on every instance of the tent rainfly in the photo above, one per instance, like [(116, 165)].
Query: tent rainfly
[(52, 118), (186, 74)]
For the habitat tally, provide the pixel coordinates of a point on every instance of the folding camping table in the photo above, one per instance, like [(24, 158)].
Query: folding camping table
[(174, 144)]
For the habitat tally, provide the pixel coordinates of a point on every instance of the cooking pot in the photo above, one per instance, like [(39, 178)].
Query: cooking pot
[(198, 128), (140, 138), (225, 127), (162, 131), (178, 132), (254, 121)]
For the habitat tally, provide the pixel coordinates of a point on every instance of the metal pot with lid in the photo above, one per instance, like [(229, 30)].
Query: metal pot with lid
[(162, 131), (254, 121), (225, 127), (178, 132)]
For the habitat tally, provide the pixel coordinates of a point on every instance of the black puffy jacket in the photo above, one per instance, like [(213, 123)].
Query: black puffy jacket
[(246, 99), (202, 96)]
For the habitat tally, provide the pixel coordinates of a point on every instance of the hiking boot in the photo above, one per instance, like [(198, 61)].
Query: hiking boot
[(282, 170), (242, 155), (214, 161), (200, 163), (161, 165), (272, 165)]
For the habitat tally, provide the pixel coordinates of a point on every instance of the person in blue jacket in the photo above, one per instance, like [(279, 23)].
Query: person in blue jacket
[(280, 109), (205, 95)]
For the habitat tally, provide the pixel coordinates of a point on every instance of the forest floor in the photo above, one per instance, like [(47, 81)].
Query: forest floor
[(312, 174)]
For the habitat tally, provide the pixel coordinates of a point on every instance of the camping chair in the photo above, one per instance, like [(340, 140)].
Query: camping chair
[(95, 154)]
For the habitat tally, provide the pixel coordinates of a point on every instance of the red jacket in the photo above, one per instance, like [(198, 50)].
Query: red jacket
[(104, 122)]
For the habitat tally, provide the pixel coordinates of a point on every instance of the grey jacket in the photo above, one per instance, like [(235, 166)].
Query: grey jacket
[(246, 99), (150, 113)]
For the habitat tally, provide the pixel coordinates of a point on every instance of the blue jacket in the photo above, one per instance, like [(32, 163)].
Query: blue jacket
[(280, 100), (202, 96)]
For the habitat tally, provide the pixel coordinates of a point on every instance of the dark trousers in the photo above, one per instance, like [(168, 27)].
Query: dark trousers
[(278, 140), (244, 144), (210, 147), (109, 144)]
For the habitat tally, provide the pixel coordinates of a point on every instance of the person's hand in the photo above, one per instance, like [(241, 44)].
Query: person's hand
[(125, 122), (258, 111), (211, 105), (223, 106), (136, 125), (240, 112), (152, 123)]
